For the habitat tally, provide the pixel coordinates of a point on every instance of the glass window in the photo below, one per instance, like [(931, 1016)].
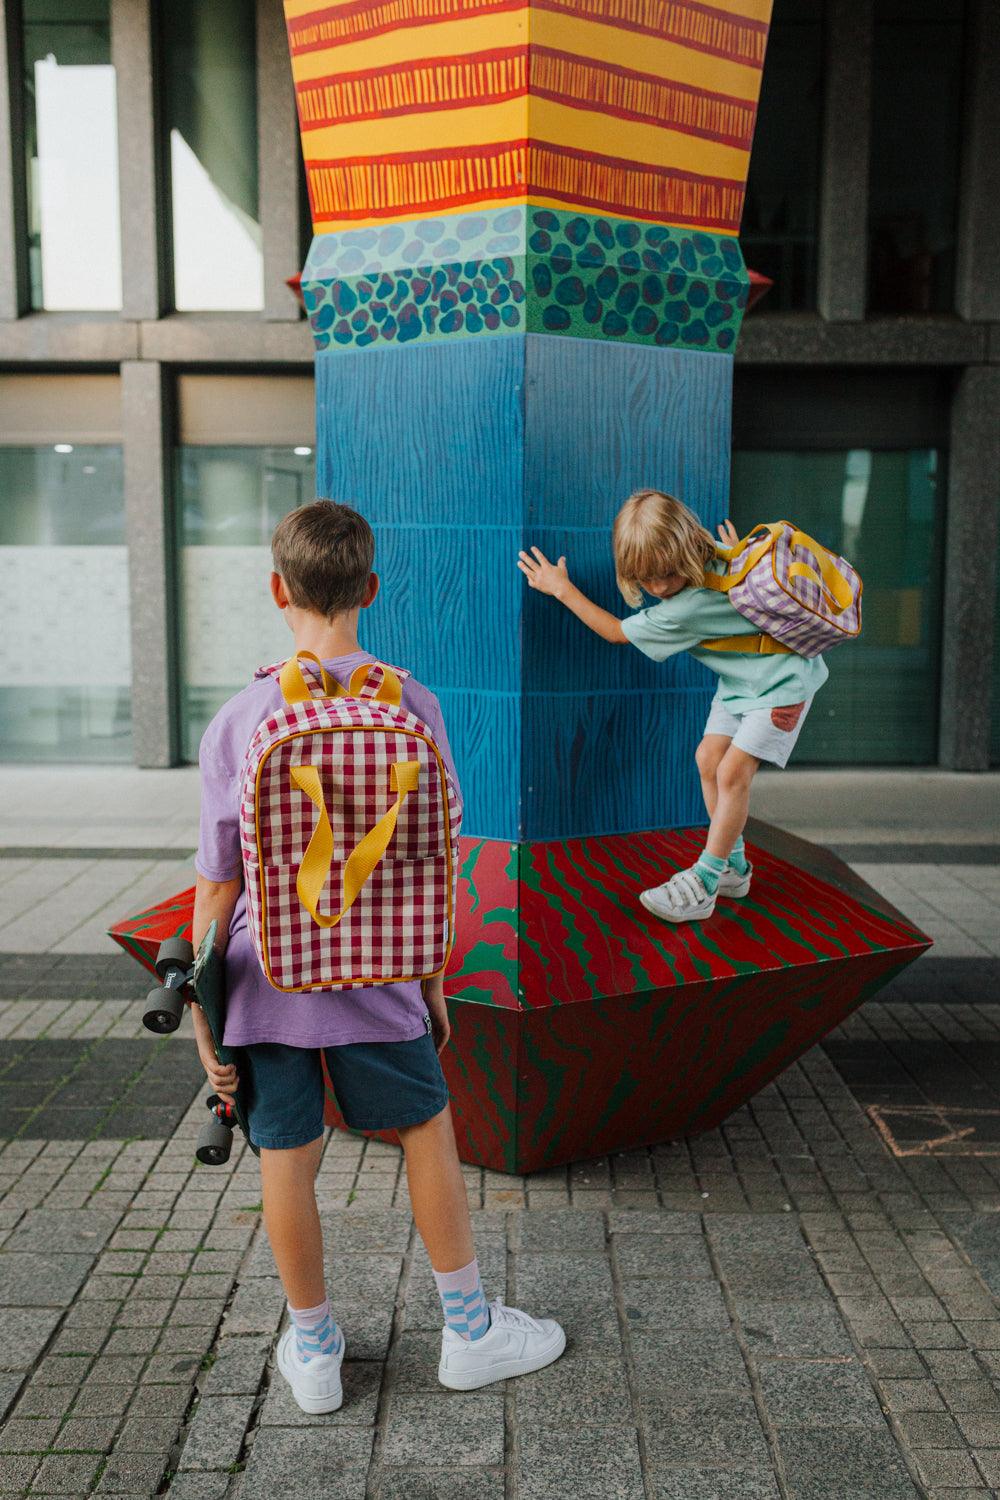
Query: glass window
[(916, 132), (884, 511), (65, 664), (71, 150), (210, 120), (229, 501), (780, 215)]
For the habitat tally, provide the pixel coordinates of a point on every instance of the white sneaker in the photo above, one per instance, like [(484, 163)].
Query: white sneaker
[(733, 885), (514, 1345), (683, 898), (315, 1382)]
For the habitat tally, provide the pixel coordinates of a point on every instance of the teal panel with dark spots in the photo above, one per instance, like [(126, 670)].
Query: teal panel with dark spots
[(519, 269)]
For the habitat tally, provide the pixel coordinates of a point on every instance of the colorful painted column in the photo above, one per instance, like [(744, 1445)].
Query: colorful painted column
[(525, 288)]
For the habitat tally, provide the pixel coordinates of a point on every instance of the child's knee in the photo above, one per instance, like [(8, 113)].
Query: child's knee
[(441, 1122), (736, 770), (708, 756)]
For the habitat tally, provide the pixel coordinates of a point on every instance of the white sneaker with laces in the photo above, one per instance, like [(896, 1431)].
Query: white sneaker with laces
[(315, 1382), (682, 898), (733, 885), (516, 1344)]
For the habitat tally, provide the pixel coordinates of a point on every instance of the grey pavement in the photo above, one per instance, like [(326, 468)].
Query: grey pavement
[(802, 1303)]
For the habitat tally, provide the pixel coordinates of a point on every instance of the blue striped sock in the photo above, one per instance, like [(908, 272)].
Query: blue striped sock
[(464, 1301), (710, 867), (315, 1331), (738, 857)]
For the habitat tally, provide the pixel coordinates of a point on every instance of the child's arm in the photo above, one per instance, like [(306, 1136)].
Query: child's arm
[(553, 579), (214, 901)]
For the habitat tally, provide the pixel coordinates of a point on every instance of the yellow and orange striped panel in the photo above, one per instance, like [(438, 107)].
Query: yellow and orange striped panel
[(639, 108)]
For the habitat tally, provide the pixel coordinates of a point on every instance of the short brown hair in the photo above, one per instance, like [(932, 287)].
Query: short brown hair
[(325, 553), (655, 534)]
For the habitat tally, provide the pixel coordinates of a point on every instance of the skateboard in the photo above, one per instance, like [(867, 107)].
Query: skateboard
[(185, 975)]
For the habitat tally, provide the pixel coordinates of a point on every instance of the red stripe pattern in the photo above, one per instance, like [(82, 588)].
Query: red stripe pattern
[(374, 188), (490, 77), (703, 28)]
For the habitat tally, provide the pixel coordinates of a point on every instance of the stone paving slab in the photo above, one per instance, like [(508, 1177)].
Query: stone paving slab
[(802, 1303)]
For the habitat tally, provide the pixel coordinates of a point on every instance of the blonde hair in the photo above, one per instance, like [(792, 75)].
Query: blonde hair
[(654, 535)]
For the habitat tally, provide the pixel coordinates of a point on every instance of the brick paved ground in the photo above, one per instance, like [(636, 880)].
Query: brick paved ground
[(803, 1303)]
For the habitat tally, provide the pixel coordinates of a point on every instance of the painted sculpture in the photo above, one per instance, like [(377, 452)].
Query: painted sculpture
[(525, 289)]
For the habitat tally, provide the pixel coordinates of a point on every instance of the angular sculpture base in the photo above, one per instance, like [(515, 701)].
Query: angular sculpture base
[(581, 1024)]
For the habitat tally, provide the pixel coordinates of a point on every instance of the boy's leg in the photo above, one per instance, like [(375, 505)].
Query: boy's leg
[(288, 1183), (734, 779), (708, 757), (479, 1344), (441, 1213), (437, 1191)]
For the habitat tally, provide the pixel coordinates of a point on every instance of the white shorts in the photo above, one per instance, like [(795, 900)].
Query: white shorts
[(755, 733)]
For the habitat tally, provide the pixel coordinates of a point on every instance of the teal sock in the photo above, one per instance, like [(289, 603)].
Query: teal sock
[(710, 867), (738, 858)]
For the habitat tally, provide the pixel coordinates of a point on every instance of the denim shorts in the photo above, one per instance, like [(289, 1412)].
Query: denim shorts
[(378, 1085)]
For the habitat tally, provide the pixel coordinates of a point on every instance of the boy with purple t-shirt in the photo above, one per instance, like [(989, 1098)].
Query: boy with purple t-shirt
[(381, 1044)]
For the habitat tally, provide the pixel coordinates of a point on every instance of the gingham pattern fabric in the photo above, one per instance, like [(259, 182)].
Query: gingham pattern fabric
[(401, 924), (795, 610)]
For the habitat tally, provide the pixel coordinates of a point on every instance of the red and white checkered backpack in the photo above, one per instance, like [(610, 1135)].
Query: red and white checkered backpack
[(349, 824)]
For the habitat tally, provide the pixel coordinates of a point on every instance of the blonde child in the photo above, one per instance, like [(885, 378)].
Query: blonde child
[(759, 707)]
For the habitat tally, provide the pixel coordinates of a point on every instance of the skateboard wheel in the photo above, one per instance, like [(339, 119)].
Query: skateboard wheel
[(164, 1009), (215, 1142), (175, 953)]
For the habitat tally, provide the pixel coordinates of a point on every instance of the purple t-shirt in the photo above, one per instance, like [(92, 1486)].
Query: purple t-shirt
[(255, 1010)]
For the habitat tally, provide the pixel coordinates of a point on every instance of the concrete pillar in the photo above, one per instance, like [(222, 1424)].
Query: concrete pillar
[(977, 285), (14, 286), (143, 242), (278, 163), (843, 228), (148, 506), (971, 571)]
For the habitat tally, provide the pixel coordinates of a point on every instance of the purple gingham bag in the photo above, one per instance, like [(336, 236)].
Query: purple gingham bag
[(792, 588), (322, 777)]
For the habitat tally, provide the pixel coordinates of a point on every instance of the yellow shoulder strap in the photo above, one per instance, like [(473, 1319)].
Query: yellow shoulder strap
[(723, 582), (748, 645)]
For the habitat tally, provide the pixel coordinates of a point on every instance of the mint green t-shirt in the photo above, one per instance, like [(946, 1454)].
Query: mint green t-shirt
[(745, 682)]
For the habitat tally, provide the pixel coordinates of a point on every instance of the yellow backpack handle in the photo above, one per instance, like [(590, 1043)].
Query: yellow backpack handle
[(295, 688), (314, 871), (839, 595)]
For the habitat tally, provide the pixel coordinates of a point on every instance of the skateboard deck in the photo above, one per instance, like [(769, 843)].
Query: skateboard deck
[(208, 980)]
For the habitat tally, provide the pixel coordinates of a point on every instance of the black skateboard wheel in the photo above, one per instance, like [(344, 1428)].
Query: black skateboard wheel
[(215, 1142), (174, 953), (164, 1009)]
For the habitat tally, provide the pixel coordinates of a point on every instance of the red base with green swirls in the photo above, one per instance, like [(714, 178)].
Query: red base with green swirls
[(581, 1024)]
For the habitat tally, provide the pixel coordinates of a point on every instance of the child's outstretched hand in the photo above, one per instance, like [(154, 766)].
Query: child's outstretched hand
[(546, 577), (728, 535)]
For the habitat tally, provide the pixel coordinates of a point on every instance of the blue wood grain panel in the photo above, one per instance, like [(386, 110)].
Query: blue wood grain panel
[(607, 763), (559, 651), (485, 734), (424, 434), (605, 419), (449, 607)]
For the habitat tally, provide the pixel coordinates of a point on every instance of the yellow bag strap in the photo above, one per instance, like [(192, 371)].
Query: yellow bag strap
[(723, 582), (295, 688), (291, 680), (839, 593), (390, 689), (757, 645), (314, 871)]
